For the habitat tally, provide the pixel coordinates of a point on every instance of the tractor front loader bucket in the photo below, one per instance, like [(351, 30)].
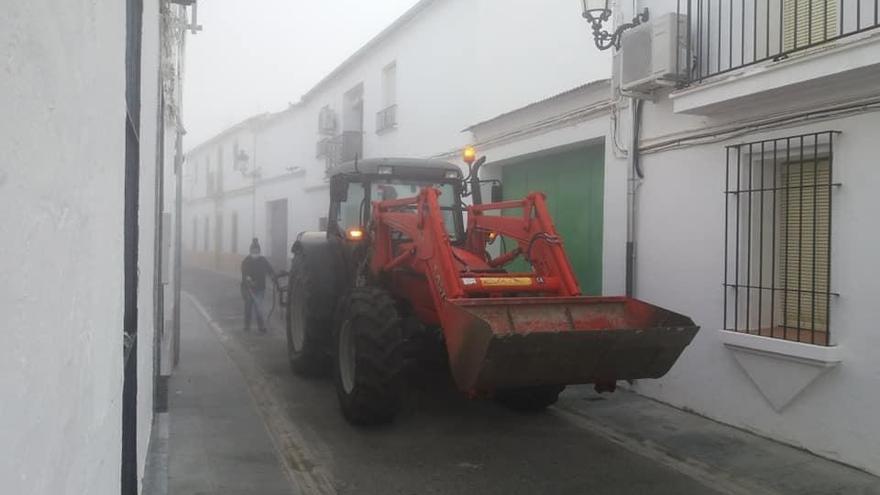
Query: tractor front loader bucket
[(508, 342)]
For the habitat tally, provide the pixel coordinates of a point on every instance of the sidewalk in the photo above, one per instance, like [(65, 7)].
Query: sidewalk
[(218, 443), (729, 459)]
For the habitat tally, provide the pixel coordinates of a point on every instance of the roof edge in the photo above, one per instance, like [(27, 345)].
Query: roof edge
[(582, 87), (401, 21)]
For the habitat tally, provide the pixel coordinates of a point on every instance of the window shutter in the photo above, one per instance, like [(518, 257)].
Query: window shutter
[(805, 252), (807, 22)]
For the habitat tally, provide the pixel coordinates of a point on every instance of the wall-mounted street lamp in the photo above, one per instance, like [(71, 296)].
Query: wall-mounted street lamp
[(598, 12)]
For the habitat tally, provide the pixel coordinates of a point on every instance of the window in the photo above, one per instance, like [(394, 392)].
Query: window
[(389, 85), (349, 215), (233, 235), (397, 189), (386, 119), (808, 22), (805, 229), (218, 178), (207, 234), (777, 272), (218, 233)]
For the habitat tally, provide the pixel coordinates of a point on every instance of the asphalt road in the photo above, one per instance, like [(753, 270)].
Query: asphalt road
[(442, 444)]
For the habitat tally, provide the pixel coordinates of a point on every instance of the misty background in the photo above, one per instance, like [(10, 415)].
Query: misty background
[(258, 56)]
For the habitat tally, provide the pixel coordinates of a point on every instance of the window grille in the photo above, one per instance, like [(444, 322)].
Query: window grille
[(778, 233)]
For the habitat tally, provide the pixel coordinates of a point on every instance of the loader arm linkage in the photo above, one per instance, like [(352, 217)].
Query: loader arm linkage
[(505, 330)]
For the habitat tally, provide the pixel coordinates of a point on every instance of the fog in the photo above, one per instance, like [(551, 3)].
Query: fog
[(255, 57)]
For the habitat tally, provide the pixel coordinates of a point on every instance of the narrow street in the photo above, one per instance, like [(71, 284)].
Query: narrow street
[(444, 443)]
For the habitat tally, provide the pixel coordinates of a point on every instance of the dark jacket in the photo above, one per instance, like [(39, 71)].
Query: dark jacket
[(257, 268)]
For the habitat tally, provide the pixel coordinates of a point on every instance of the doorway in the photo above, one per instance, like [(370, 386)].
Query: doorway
[(574, 181), (276, 228)]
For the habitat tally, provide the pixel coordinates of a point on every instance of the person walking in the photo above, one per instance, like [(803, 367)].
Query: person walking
[(254, 270)]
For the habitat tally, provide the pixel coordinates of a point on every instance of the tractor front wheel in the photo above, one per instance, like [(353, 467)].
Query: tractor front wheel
[(369, 358), (304, 327), (529, 399)]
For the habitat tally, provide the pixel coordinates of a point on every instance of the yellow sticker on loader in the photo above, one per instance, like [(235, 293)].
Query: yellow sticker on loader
[(506, 281)]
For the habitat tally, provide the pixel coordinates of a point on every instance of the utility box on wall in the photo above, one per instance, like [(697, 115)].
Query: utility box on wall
[(654, 55)]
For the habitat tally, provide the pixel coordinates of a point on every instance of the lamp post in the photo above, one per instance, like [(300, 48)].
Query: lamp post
[(597, 13)]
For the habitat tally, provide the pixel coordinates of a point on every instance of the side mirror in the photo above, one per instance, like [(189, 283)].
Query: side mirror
[(497, 192), (339, 190)]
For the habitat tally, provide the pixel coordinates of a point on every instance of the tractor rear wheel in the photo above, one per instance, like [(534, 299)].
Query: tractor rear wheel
[(304, 350), (369, 358), (529, 399)]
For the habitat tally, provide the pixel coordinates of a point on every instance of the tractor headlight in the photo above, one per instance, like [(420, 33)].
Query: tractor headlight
[(354, 234), (452, 174), (385, 170)]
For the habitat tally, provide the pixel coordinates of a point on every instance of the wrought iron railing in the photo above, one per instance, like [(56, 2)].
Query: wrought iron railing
[(343, 148), (778, 236), (725, 35), (386, 119)]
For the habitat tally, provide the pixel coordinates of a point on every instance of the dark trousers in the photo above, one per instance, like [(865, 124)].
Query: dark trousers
[(252, 302)]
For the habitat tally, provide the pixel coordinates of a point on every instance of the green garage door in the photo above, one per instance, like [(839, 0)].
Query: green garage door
[(574, 184)]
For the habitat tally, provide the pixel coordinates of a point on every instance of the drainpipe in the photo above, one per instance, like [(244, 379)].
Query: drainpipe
[(178, 243), (634, 178), (254, 189)]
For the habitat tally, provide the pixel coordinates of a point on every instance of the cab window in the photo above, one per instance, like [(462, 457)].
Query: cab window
[(395, 189), (349, 212)]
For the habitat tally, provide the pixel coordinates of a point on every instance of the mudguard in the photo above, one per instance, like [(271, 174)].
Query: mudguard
[(325, 262)]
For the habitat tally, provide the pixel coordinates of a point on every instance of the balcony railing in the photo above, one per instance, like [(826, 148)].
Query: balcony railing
[(386, 119), (343, 148), (725, 35)]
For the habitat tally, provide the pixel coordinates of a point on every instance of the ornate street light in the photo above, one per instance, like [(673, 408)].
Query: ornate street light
[(598, 12)]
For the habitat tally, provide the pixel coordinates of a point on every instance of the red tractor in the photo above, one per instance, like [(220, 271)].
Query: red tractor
[(405, 262)]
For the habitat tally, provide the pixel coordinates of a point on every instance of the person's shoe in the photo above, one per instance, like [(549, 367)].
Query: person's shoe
[(263, 330)]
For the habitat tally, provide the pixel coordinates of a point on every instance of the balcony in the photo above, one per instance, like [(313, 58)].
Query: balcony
[(342, 148), (386, 119), (726, 35), (766, 49)]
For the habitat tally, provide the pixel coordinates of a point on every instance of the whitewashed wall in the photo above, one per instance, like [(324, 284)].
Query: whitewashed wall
[(680, 251), (61, 218), (458, 62), (147, 225)]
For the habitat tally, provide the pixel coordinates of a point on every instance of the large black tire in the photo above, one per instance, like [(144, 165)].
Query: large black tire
[(369, 358), (305, 350), (529, 399)]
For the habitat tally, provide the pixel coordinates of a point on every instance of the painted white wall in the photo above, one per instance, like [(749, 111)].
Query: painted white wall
[(680, 259), (61, 198), (61, 221), (458, 62), (147, 225), (680, 252)]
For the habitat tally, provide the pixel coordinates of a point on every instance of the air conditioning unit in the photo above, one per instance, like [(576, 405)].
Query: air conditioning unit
[(654, 54)]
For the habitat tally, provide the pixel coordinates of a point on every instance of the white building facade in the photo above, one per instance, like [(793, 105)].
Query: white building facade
[(745, 203), (410, 92), (753, 216), (92, 126)]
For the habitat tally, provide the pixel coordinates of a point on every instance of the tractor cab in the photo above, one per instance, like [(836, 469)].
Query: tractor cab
[(354, 186)]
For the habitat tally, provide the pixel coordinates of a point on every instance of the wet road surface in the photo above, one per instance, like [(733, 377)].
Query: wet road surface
[(442, 443)]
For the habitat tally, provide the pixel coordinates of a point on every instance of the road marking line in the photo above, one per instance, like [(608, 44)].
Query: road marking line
[(299, 461), (692, 468)]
